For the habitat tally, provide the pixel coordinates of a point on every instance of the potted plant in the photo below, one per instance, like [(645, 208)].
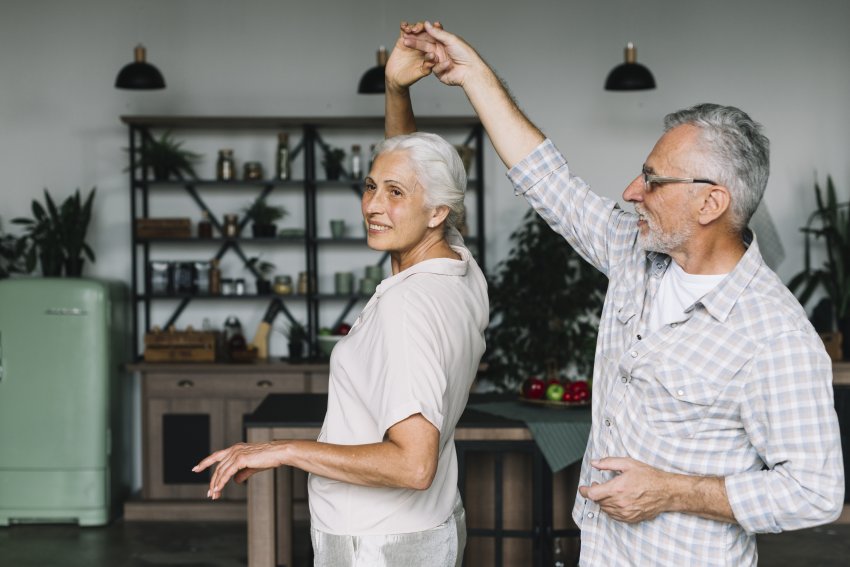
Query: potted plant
[(264, 216), (262, 270), (166, 158), (830, 221), (545, 302), (13, 252), (332, 161), (57, 235), (296, 336)]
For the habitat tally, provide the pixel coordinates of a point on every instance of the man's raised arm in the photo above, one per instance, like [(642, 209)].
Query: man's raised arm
[(455, 62)]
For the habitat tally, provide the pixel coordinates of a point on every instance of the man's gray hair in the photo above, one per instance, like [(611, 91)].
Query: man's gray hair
[(438, 169), (736, 151)]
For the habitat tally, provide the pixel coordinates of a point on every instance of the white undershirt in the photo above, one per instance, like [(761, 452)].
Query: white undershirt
[(678, 291)]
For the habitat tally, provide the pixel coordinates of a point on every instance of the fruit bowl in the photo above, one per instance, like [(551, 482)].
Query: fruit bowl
[(553, 404), (327, 344), (555, 393)]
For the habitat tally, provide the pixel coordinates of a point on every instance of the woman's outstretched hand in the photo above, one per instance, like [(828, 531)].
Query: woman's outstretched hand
[(238, 462)]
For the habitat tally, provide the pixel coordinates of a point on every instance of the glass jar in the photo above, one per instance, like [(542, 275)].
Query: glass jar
[(228, 286), (204, 226), (282, 285), (225, 169), (356, 163), (282, 171), (303, 283), (239, 286), (252, 170), (231, 226), (215, 277)]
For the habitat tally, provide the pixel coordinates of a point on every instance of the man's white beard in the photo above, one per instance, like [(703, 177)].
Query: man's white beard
[(655, 240)]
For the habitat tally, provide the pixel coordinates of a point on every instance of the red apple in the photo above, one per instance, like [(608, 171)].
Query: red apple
[(343, 329), (580, 390), (533, 388)]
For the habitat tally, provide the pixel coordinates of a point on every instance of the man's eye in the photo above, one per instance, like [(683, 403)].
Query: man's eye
[(368, 187), (396, 192)]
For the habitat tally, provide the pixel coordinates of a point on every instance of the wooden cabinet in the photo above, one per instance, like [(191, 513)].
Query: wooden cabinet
[(190, 410)]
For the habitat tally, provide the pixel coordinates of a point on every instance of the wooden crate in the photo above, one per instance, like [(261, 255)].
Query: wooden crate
[(164, 228), (181, 346)]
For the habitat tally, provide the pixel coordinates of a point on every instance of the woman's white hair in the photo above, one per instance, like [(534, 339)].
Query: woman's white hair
[(438, 169)]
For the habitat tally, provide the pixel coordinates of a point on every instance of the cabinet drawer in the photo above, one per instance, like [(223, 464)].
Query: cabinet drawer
[(249, 386)]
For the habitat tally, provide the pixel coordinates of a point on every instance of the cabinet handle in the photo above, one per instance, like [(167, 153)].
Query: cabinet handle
[(185, 384), (264, 384)]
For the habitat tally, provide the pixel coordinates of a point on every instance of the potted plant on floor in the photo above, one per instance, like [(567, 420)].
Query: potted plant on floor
[(830, 221), (166, 158), (545, 302), (263, 217)]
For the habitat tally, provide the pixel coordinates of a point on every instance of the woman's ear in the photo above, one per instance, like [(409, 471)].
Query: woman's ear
[(438, 216)]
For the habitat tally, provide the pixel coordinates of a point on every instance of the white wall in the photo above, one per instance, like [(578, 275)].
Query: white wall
[(783, 61)]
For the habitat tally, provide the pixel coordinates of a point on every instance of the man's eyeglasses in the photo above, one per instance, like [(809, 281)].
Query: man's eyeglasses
[(650, 178)]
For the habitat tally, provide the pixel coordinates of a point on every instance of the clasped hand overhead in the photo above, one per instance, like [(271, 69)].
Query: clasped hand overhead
[(423, 48)]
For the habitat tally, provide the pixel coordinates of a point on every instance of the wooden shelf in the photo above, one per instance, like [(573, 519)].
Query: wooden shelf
[(256, 367), (841, 375), (279, 122)]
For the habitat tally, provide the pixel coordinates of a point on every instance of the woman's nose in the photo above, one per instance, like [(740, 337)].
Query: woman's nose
[(371, 202)]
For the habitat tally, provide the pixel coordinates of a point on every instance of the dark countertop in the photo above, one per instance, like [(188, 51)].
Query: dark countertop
[(308, 410)]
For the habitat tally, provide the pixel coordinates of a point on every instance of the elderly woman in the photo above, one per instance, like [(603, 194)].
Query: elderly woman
[(383, 473)]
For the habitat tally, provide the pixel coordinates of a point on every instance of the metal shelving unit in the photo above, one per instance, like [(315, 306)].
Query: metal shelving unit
[(141, 130)]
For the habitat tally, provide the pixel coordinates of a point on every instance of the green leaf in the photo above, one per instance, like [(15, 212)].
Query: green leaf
[(830, 224)]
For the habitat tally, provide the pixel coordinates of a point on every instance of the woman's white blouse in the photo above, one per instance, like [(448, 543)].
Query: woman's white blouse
[(415, 348)]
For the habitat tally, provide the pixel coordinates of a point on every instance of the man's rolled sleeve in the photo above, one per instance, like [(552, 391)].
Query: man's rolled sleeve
[(790, 417), (534, 167)]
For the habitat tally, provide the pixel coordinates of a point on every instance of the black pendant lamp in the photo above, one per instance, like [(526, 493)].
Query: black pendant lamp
[(139, 75), (372, 81), (631, 75)]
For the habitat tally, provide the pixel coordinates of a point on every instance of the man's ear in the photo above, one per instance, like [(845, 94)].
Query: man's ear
[(715, 203), (438, 215)]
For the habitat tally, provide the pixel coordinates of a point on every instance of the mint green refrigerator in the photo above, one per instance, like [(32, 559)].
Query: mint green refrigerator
[(63, 400)]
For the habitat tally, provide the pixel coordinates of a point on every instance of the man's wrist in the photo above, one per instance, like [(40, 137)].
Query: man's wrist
[(703, 496)]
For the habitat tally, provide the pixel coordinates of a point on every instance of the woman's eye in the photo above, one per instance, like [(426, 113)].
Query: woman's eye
[(369, 187)]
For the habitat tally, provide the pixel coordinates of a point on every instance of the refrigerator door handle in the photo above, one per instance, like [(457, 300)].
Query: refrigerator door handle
[(1, 357)]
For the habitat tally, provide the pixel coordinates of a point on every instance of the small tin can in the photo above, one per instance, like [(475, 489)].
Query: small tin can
[(252, 170), (282, 285)]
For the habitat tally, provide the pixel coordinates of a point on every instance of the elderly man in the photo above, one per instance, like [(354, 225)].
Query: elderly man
[(713, 414)]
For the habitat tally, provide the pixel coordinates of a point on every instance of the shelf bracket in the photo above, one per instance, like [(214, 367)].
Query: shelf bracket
[(180, 307)]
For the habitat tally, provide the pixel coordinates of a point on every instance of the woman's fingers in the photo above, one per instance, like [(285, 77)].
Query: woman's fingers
[(207, 462)]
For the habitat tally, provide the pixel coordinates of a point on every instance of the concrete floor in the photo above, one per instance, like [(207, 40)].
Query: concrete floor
[(219, 544)]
